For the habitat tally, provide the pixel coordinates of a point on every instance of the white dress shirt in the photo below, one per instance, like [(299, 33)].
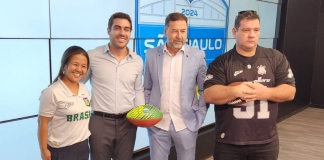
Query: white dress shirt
[(171, 91), (116, 87)]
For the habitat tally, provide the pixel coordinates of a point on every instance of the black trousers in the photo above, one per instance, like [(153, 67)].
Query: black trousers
[(268, 151), (78, 151), (111, 138)]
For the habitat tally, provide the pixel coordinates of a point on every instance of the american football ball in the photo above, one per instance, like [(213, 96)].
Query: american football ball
[(238, 101), (144, 116)]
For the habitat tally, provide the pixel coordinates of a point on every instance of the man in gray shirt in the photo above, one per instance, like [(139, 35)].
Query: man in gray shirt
[(115, 75)]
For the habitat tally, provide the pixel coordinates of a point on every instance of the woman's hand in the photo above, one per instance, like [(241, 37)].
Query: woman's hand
[(46, 154)]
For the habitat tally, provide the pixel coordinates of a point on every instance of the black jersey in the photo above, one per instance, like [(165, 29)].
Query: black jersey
[(253, 122)]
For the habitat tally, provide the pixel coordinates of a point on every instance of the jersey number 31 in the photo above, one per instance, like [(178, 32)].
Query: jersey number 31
[(249, 113)]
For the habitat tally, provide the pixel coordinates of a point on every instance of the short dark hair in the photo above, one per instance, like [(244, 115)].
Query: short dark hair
[(250, 14), (119, 15), (175, 16), (66, 58)]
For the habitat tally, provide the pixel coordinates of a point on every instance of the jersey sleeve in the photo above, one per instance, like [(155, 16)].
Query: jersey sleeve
[(215, 73), (47, 106), (283, 74)]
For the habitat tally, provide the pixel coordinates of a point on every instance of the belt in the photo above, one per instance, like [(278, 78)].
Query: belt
[(108, 115)]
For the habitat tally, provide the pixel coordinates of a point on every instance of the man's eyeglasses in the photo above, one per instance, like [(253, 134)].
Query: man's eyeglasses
[(241, 12)]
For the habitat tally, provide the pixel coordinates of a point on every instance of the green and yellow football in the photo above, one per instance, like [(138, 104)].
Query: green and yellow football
[(144, 116)]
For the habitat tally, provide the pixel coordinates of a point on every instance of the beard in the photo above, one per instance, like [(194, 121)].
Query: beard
[(176, 45)]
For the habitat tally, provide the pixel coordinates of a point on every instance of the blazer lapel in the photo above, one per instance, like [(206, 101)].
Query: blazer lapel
[(185, 64), (159, 59)]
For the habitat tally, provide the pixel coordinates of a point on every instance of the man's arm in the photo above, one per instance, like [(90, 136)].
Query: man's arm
[(281, 93), (200, 81), (147, 81), (139, 91), (220, 94)]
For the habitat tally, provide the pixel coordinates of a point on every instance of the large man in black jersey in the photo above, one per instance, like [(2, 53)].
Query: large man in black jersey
[(248, 131)]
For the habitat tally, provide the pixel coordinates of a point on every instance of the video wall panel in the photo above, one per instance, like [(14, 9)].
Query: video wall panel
[(268, 16), (24, 19), (25, 72), (19, 140), (86, 18)]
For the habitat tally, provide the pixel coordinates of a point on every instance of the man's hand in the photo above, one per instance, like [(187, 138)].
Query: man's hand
[(257, 92), (243, 91)]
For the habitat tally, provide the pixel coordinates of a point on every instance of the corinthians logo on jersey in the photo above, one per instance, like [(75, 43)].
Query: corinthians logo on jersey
[(261, 70)]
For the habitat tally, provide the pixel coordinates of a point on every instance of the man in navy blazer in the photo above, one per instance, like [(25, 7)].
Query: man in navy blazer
[(172, 73)]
